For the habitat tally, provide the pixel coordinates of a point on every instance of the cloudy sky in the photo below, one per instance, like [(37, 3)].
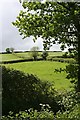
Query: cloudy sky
[(9, 35)]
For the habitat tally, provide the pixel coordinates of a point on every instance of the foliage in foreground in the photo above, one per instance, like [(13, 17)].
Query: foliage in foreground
[(23, 91), (44, 114)]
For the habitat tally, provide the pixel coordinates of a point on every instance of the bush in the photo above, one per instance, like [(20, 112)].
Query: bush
[(8, 50), (44, 114), (65, 55), (71, 102), (44, 55), (23, 91), (34, 52)]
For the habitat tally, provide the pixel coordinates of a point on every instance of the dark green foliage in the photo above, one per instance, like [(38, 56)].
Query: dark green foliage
[(70, 100), (72, 74), (44, 55), (7, 50), (23, 91), (16, 61), (65, 55), (44, 114)]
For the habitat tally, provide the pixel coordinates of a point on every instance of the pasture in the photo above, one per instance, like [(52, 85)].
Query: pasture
[(42, 69), (25, 55), (8, 57), (45, 71)]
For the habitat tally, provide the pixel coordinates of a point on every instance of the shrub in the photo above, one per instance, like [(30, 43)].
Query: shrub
[(7, 50), (34, 52), (71, 102), (44, 55), (65, 55), (44, 114), (23, 91)]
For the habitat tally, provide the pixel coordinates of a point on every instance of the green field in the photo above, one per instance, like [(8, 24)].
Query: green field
[(42, 69), (52, 54), (25, 55), (8, 57), (45, 71)]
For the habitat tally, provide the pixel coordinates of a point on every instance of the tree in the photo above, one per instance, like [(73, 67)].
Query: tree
[(44, 55), (55, 22), (7, 50), (34, 52), (12, 49)]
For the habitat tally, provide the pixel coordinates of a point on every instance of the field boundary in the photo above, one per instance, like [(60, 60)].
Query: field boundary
[(16, 61), (39, 59)]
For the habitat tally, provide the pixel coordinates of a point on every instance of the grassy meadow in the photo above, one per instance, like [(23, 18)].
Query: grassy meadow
[(8, 57), (42, 69), (45, 71), (25, 55)]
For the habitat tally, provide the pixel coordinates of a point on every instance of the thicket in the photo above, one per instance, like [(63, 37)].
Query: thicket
[(23, 91), (72, 111)]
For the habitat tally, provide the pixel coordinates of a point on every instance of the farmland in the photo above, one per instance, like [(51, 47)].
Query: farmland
[(42, 69), (25, 55), (8, 57), (45, 71)]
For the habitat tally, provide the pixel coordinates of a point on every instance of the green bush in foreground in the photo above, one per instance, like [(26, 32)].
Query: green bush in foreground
[(44, 114), (31, 114), (71, 102), (23, 91)]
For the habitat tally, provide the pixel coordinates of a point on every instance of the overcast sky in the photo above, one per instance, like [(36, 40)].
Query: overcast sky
[(9, 36)]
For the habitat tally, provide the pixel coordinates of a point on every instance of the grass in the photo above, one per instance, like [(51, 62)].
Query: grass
[(45, 71), (8, 57), (51, 54), (24, 55)]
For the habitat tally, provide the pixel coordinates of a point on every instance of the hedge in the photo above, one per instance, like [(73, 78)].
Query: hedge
[(23, 91)]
